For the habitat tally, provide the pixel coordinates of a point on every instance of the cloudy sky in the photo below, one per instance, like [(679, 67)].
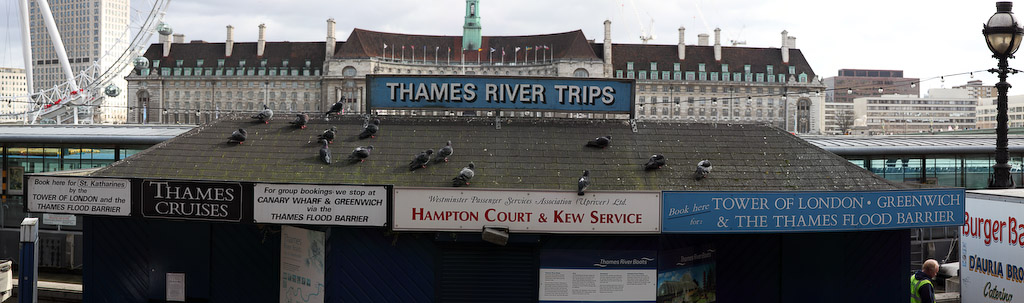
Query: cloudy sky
[(925, 39)]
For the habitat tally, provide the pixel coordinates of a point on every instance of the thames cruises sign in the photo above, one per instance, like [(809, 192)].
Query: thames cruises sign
[(174, 199), (541, 94)]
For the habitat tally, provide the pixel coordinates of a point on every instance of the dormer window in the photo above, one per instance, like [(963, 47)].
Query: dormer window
[(263, 63), (220, 62), (179, 63), (308, 63), (241, 63), (199, 62), (284, 63)]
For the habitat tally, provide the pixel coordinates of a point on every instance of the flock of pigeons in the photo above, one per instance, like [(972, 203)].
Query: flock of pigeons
[(655, 162), (359, 154), (422, 159)]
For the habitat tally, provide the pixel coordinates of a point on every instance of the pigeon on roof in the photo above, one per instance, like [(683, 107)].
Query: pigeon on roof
[(237, 136), (421, 160), (656, 162), (360, 154), (370, 129), (325, 152), (264, 115), (600, 142), (328, 134), (464, 176), (300, 120), (703, 168), (583, 183), (443, 153), (337, 108)]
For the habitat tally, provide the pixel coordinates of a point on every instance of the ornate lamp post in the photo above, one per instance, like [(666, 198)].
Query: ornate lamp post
[(1003, 36)]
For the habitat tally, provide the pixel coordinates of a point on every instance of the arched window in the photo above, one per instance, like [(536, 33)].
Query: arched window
[(348, 71), (581, 73)]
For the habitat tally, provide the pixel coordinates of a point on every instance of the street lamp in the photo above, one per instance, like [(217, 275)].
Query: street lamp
[(1003, 36)]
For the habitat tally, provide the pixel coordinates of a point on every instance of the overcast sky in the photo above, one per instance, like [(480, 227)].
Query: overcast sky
[(925, 39)]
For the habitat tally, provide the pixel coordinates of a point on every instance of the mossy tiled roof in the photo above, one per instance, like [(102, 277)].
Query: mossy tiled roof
[(525, 153)]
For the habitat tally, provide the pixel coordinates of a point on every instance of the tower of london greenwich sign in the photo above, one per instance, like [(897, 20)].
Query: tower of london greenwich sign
[(491, 93)]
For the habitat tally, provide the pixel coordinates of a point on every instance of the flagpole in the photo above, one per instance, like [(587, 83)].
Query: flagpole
[(435, 54)]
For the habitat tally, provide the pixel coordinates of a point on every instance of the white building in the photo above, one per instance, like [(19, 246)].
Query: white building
[(88, 28), (12, 85), (940, 110), (987, 112)]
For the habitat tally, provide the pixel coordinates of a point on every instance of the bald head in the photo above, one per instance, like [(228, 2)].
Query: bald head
[(930, 268)]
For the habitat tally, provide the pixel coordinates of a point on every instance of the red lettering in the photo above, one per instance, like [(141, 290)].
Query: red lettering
[(967, 224), (487, 215), (1014, 239), (417, 212)]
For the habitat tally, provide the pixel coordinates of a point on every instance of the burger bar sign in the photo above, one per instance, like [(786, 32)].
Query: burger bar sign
[(175, 199)]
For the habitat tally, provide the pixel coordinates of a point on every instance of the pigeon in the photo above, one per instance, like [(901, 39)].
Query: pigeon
[(336, 108), (328, 134), (264, 115), (237, 136), (421, 160), (325, 152), (600, 142), (464, 176), (584, 183), (703, 168), (370, 130), (360, 154), (300, 120), (444, 153), (656, 162)]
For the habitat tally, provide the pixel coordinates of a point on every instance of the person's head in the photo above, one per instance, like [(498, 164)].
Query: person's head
[(930, 268)]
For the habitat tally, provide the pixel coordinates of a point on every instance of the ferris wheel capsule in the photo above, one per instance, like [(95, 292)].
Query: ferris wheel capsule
[(164, 29), (141, 62), (112, 91)]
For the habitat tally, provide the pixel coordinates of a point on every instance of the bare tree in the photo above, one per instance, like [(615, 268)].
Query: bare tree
[(845, 121)]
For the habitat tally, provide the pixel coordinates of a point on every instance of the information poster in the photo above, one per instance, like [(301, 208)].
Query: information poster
[(795, 211), (302, 265), (569, 275), (687, 275), (71, 195), (320, 204), (992, 251), (603, 212)]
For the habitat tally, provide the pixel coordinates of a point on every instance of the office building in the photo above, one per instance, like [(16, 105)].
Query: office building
[(12, 90), (857, 83), (942, 109)]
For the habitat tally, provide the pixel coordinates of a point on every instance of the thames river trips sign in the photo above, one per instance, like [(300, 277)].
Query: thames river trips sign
[(513, 93), (195, 200), (70, 195), (796, 211)]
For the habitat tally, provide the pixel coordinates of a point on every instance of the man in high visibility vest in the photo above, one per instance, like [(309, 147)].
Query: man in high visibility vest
[(921, 289)]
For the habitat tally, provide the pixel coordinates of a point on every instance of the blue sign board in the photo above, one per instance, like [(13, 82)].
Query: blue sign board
[(544, 94), (745, 212)]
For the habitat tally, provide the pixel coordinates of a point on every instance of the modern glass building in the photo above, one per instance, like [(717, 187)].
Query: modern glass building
[(63, 149)]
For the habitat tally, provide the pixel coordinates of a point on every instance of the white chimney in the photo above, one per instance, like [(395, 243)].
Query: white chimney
[(791, 42), (179, 38), (331, 41), (682, 45), (785, 47), (702, 39), (166, 40), (718, 44), (262, 42), (230, 42), (607, 48)]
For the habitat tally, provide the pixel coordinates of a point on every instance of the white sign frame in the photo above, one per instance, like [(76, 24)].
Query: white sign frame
[(985, 268), (318, 204), (75, 195), (615, 212)]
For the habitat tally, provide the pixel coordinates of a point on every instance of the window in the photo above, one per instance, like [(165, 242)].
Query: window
[(348, 71), (665, 75), (714, 76), (618, 74), (690, 76), (629, 65), (792, 70), (643, 75), (700, 67), (654, 66), (760, 77), (703, 76), (803, 78), (654, 75), (630, 75), (675, 66), (725, 68), (746, 69), (770, 70)]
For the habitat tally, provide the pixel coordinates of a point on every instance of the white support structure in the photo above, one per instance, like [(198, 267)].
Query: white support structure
[(26, 45), (58, 44)]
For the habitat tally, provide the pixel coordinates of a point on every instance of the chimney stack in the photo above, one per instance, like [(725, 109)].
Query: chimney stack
[(607, 48), (791, 42), (785, 47), (179, 38), (718, 44), (262, 43), (331, 41), (682, 45), (166, 40), (702, 39), (230, 42)]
